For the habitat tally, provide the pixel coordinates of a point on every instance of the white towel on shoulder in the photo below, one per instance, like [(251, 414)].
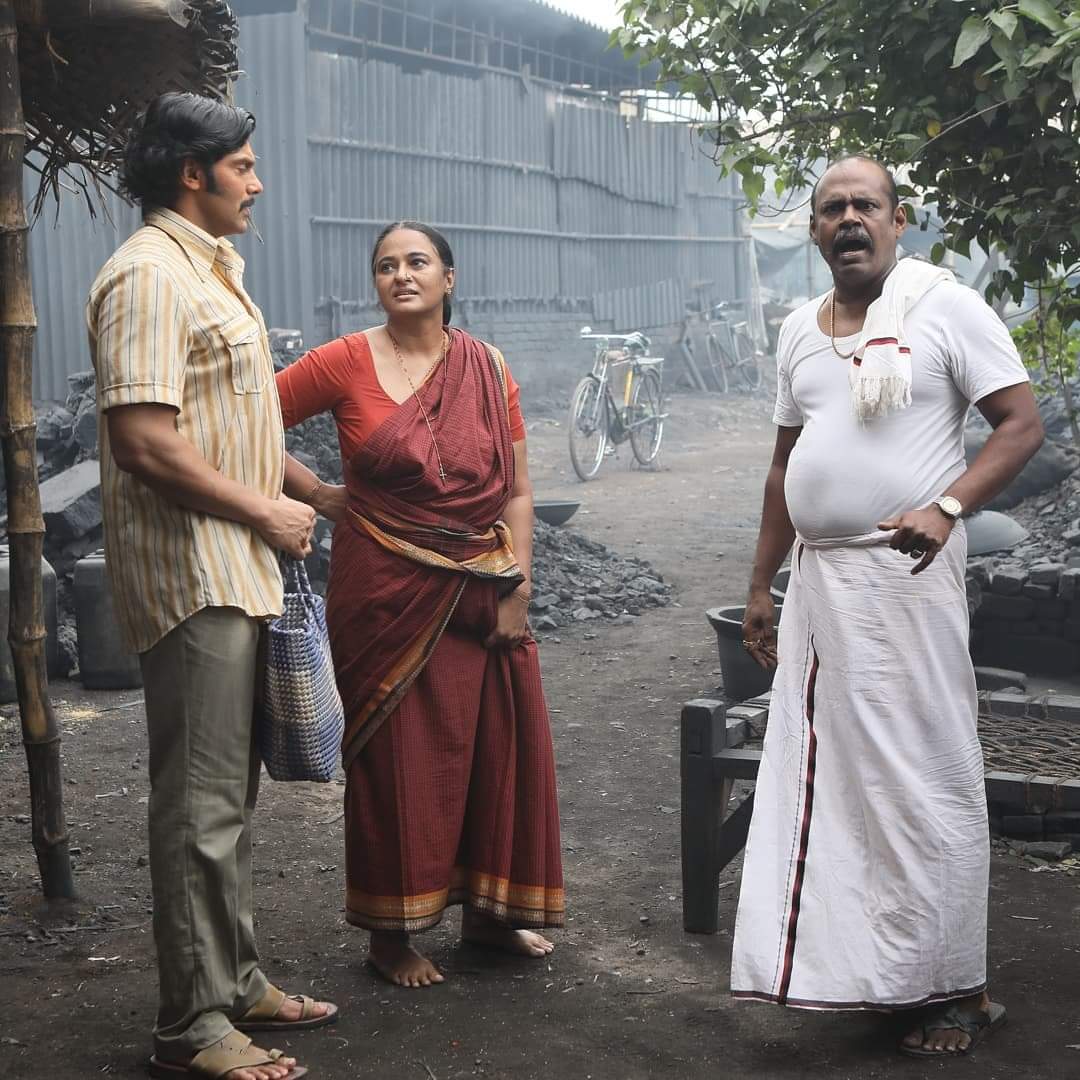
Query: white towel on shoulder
[(881, 367)]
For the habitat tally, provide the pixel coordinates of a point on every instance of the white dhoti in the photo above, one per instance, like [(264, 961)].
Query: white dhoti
[(865, 879)]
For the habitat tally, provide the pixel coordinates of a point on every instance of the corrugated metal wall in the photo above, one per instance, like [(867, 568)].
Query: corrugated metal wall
[(66, 252), (547, 197)]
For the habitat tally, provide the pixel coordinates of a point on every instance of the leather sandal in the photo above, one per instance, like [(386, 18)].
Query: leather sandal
[(976, 1024), (263, 1015), (219, 1059)]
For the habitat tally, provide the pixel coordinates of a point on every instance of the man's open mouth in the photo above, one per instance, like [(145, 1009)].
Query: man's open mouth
[(847, 245)]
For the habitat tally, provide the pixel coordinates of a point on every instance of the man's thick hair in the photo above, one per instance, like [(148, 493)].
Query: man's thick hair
[(176, 127), (894, 195)]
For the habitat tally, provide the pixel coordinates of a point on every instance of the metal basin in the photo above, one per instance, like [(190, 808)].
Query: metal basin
[(555, 511), (742, 677)]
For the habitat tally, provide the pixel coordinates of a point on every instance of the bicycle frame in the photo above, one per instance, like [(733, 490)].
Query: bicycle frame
[(604, 359)]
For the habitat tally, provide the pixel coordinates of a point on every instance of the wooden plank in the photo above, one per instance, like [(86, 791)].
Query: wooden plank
[(736, 764), (733, 832), (703, 732)]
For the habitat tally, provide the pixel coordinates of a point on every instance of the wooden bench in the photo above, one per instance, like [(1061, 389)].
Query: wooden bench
[(713, 756)]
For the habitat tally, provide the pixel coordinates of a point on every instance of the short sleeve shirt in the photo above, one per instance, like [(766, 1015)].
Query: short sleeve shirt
[(844, 476), (170, 324)]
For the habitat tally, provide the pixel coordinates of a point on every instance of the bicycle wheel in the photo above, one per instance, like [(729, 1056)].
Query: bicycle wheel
[(646, 415), (588, 428), (749, 368), (717, 362)]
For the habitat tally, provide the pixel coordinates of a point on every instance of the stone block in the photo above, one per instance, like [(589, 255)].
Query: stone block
[(1038, 592), (71, 502), (1071, 630), (1051, 850), (1007, 580), (1069, 584), (991, 678), (1068, 838), (1063, 707), (1008, 608), (1025, 629), (1003, 704), (1062, 821), (1071, 535), (1050, 627), (86, 429), (1022, 825), (1050, 609), (1040, 793), (1067, 795), (1048, 655), (1005, 792), (1046, 573)]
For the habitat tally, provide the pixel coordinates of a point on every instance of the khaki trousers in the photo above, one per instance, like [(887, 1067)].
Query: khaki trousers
[(204, 777)]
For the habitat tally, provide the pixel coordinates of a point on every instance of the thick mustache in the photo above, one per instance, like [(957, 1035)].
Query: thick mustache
[(851, 239)]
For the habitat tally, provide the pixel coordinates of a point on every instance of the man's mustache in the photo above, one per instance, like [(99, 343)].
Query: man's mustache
[(854, 238)]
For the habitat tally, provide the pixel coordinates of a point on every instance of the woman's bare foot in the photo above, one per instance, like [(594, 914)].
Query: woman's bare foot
[(478, 929), (399, 963), (948, 1040)]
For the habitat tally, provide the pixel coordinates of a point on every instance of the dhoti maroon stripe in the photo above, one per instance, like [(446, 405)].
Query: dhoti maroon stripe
[(804, 837)]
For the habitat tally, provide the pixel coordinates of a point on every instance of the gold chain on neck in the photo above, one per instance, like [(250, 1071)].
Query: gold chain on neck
[(832, 329), (412, 387)]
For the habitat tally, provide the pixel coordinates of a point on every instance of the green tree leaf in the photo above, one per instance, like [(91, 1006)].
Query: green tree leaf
[(1076, 80), (974, 34), (937, 253), (1006, 21), (1042, 12)]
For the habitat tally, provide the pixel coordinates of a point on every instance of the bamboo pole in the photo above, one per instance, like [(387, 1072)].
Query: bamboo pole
[(26, 528)]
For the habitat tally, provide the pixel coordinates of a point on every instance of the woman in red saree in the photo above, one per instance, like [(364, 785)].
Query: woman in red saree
[(450, 794)]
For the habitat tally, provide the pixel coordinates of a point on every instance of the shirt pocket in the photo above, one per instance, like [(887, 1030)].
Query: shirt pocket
[(243, 339)]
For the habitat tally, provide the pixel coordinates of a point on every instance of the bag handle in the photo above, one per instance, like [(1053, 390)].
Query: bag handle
[(294, 573)]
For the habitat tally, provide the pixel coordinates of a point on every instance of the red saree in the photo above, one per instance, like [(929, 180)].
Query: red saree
[(450, 792)]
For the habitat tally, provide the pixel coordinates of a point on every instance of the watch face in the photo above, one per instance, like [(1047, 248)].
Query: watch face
[(950, 505)]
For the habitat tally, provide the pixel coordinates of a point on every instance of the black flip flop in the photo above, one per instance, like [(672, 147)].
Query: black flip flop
[(975, 1023)]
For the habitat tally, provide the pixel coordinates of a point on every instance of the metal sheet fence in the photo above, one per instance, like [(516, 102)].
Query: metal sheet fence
[(544, 196), (548, 197)]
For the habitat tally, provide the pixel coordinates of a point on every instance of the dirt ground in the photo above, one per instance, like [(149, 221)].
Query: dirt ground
[(627, 994)]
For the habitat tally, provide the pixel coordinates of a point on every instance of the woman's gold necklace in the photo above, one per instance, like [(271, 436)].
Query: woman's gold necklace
[(412, 387), (832, 329)]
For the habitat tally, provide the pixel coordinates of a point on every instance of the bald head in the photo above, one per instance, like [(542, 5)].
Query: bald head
[(887, 176)]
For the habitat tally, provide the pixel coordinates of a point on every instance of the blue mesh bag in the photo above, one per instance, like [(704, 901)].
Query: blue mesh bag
[(301, 721)]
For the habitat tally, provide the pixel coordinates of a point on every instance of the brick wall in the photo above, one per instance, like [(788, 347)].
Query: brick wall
[(1028, 618)]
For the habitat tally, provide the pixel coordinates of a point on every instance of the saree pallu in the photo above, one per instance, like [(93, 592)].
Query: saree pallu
[(450, 789), (865, 878)]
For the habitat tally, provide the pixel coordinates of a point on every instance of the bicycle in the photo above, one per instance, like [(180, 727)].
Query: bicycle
[(597, 421), (731, 351)]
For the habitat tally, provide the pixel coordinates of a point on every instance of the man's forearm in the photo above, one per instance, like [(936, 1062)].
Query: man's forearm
[(1009, 448), (174, 469), (777, 533)]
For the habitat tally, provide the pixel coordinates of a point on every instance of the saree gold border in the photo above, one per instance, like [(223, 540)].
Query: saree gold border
[(501, 562), (527, 905), (385, 699)]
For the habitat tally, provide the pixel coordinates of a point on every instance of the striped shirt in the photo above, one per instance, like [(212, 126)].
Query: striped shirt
[(170, 323)]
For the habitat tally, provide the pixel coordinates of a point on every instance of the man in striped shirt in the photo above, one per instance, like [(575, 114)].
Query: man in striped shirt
[(192, 462)]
